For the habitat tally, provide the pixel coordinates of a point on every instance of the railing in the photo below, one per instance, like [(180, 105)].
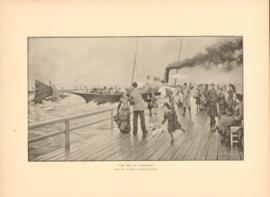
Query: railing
[(66, 121), (67, 130)]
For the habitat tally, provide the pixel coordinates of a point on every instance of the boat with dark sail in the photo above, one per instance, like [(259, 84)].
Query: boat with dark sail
[(42, 91), (46, 92)]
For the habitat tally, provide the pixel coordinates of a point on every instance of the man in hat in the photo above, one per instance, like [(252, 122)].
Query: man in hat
[(213, 98), (138, 109)]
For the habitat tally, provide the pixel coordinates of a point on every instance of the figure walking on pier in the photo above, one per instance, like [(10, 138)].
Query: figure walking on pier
[(171, 116)]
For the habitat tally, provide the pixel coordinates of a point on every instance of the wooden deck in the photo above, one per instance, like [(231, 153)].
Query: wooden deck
[(197, 143)]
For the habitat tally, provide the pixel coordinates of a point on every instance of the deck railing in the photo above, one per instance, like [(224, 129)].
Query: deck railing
[(66, 121), (67, 130)]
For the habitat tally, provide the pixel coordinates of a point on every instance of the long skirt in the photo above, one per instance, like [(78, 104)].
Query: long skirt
[(225, 123), (122, 120)]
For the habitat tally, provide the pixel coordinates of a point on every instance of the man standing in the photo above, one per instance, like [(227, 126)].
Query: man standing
[(213, 98), (186, 99), (138, 109)]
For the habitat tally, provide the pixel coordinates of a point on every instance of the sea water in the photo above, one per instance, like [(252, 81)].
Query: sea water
[(68, 106)]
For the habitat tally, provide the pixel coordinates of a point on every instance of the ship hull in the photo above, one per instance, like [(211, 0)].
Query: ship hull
[(99, 98), (106, 98)]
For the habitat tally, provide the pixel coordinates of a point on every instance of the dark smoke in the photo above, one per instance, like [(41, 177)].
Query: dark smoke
[(226, 55)]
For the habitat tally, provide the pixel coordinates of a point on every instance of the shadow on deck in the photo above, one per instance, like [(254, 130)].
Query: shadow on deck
[(197, 143)]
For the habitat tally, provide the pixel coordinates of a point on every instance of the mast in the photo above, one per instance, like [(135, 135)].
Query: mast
[(134, 62), (179, 56)]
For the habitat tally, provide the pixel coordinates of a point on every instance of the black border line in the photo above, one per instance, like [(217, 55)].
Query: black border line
[(148, 36)]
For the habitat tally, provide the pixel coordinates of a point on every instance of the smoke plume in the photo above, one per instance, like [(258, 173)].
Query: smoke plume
[(226, 55)]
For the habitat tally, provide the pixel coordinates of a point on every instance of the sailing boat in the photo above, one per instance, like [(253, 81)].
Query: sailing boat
[(46, 92), (42, 91)]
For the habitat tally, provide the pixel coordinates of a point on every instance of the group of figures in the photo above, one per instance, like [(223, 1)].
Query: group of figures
[(221, 102), (105, 90), (136, 100)]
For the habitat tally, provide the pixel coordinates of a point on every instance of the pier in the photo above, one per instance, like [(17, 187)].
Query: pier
[(197, 143)]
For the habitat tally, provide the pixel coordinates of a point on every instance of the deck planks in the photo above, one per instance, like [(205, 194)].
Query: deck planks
[(197, 143)]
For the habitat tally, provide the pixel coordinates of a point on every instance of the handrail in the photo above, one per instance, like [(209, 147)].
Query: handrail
[(48, 122), (67, 130), (66, 121)]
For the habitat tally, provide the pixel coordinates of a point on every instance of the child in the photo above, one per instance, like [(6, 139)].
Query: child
[(170, 115)]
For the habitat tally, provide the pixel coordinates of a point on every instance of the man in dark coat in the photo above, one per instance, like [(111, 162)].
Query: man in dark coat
[(213, 98)]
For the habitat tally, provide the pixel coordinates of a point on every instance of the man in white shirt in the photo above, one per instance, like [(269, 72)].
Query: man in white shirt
[(138, 109)]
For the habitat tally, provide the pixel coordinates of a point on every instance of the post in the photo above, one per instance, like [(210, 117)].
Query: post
[(67, 135), (134, 65), (111, 112), (179, 55)]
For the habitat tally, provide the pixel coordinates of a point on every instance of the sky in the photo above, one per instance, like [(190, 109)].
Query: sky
[(70, 62)]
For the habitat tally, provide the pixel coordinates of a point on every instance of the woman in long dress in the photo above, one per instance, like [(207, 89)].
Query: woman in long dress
[(124, 113), (232, 119)]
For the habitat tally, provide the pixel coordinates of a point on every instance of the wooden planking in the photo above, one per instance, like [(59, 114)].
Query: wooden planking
[(90, 143), (241, 152), (203, 147), (124, 150), (173, 148), (74, 147), (139, 147), (159, 152), (179, 145), (80, 146), (158, 144), (223, 152), (212, 153), (202, 132), (110, 149), (234, 153), (198, 143), (95, 148), (194, 132)]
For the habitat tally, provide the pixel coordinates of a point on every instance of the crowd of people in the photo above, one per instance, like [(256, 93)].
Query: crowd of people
[(105, 90), (221, 102)]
